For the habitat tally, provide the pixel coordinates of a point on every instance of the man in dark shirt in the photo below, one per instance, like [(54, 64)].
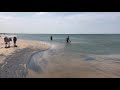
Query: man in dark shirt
[(14, 41), (67, 39), (51, 38)]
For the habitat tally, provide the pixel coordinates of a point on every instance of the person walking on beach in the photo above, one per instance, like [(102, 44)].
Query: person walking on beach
[(14, 41), (67, 39), (6, 40), (51, 38)]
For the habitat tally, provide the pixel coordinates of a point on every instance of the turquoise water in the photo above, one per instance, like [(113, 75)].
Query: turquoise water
[(89, 44)]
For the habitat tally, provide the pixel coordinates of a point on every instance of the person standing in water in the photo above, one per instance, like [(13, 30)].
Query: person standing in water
[(67, 39), (51, 38)]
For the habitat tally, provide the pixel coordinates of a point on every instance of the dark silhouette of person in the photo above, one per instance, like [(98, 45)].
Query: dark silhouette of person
[(14, 41), (6, 40), (67, 39), (51, 38)]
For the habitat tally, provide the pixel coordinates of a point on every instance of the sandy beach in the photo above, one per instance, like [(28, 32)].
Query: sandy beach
[(13, 60), (21, 62), (59, 44)]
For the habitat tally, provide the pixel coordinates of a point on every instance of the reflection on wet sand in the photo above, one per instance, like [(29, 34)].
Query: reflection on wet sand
[(56, 63)]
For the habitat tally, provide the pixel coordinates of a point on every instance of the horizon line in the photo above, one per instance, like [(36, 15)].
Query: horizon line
[(59, 33)]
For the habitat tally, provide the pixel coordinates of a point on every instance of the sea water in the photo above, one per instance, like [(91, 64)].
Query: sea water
[(85, 47), (89, 44)]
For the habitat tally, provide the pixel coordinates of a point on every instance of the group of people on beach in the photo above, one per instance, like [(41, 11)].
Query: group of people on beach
[(8, 40), (67, 39)]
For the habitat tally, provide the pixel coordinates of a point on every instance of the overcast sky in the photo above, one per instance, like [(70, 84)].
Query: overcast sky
[(60, 22)]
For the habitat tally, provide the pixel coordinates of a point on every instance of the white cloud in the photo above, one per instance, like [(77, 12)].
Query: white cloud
[(51, 22), (94, 16), (6, 17), (41, 13), (7, 13)]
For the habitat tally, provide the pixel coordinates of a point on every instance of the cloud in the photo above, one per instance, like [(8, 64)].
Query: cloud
[(41, 13), (7, 13), (6, 17), (94, 16), (58, 22)]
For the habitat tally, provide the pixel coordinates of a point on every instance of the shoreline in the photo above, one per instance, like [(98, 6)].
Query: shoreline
[(14, 61)]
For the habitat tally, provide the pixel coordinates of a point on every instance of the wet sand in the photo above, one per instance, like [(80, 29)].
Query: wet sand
[(65, 66)]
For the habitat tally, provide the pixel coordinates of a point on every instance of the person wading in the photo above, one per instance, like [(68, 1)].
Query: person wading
[(68, 39), (51, 38)]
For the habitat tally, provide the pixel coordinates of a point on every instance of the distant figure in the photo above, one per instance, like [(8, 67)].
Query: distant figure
[(67, 39), (14, 41), (6, 40), (51, 38)]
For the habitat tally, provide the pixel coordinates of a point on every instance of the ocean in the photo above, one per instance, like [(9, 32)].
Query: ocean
[(92, 48), (101, 44)]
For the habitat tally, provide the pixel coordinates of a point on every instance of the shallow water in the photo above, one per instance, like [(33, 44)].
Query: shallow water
[(90, 44), (97, 54)]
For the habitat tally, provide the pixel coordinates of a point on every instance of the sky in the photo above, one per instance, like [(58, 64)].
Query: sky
[(60, 22)]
